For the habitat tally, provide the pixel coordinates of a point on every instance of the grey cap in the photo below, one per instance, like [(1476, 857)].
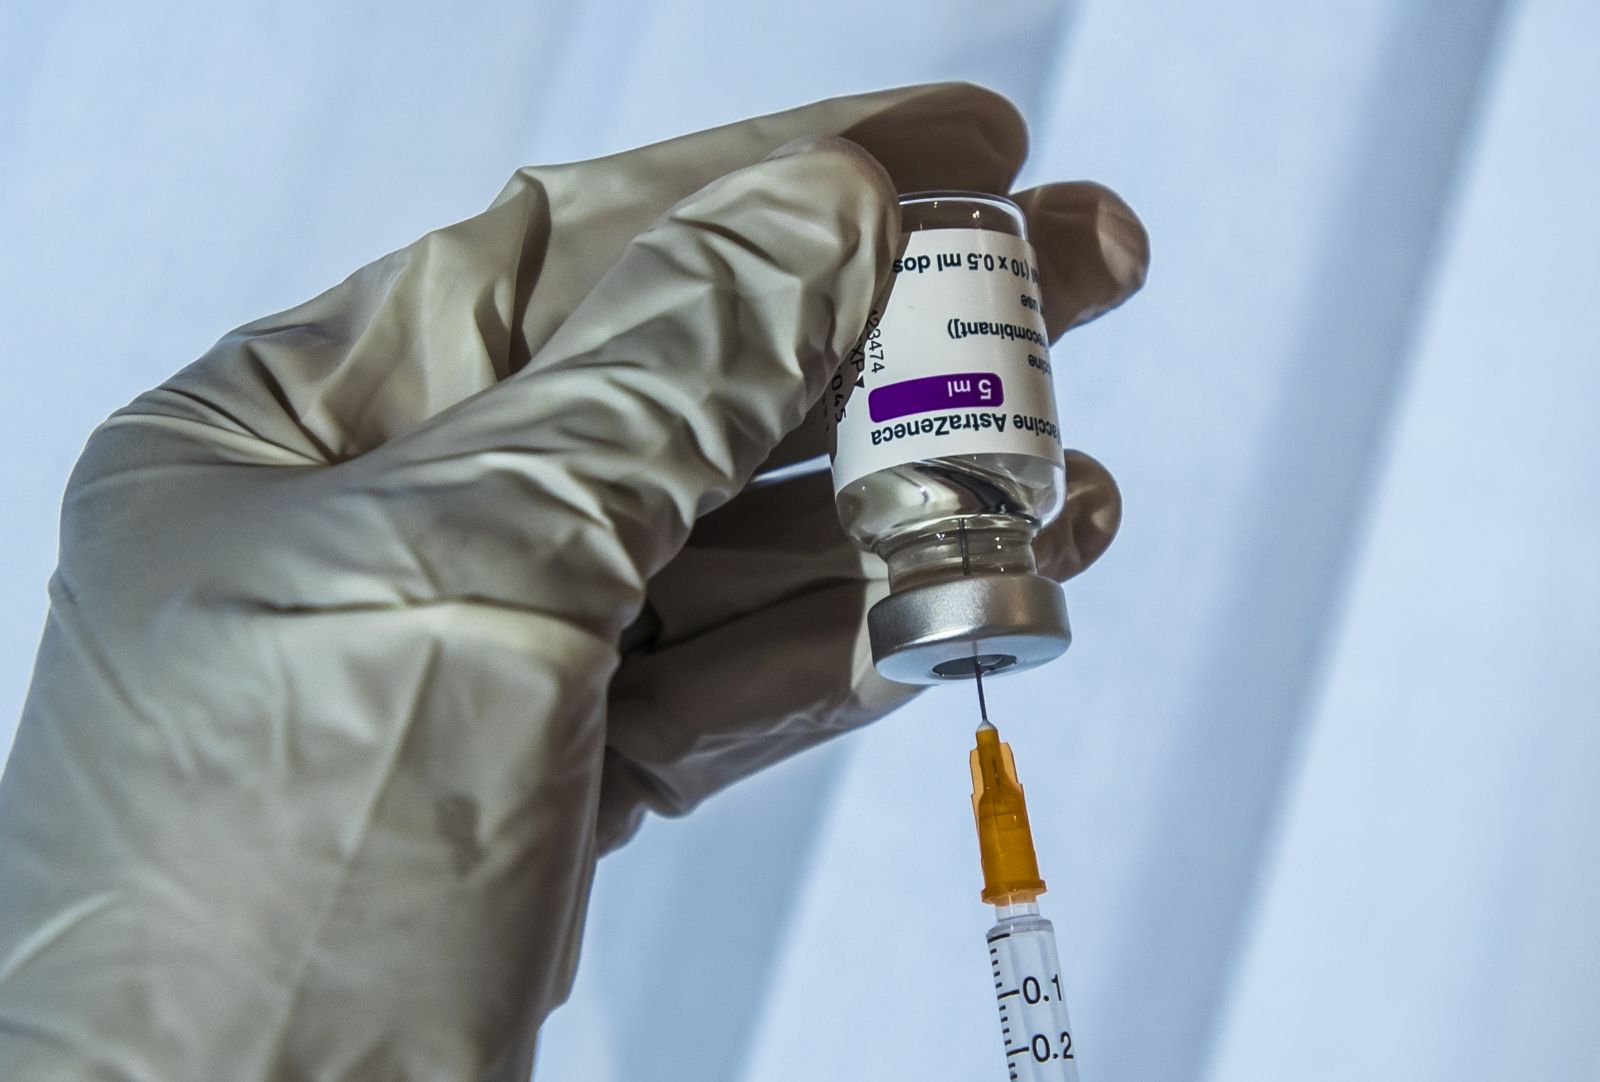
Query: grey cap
[(946, 630)]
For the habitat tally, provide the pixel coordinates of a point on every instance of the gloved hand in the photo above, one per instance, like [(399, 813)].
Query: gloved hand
[(330, 720)]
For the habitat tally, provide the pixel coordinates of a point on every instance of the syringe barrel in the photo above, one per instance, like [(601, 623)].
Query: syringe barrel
[(1032, 1001)]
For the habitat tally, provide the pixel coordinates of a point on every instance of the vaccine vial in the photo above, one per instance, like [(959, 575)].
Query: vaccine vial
[(947, 456)]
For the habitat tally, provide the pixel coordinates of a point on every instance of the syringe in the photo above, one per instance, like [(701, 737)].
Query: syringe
[(1022, 944)]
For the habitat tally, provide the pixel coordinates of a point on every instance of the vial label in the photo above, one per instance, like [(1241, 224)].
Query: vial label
[(955, 362)]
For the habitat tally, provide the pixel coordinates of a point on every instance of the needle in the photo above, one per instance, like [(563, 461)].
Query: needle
[(977, 666)]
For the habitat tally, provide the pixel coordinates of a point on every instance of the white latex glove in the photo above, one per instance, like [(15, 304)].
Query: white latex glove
[(332, 714)]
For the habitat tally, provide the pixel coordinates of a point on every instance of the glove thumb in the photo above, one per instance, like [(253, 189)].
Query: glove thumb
[(704, 344)]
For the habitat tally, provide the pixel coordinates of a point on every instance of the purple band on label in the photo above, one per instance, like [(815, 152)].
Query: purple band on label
[(955, 391)]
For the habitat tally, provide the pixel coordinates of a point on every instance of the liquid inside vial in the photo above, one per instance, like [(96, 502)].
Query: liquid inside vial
[(999, 500)]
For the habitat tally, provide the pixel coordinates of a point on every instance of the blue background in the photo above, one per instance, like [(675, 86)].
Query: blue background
[(1316, 789)]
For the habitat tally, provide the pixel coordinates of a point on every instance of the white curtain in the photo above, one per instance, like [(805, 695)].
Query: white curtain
[(1318, 788)]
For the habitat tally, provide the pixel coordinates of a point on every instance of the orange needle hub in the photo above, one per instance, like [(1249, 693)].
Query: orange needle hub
[(1010, 869)]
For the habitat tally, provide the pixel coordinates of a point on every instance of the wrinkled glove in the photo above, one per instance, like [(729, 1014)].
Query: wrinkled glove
[(333, 712)]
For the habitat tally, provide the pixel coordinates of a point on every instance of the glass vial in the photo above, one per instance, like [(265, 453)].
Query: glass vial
[(947, 456)]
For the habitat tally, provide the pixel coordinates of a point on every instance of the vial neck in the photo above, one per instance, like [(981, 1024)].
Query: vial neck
[(954, 547)]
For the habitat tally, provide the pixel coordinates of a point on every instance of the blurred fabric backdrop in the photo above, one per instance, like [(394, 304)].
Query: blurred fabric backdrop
[(1318, 788)]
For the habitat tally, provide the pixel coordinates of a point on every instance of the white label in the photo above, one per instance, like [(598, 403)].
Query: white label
[(956, 362)]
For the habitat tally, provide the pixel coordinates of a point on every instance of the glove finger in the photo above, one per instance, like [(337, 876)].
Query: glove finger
[(426, 327), (706, 342), (688, 720), (1087, 524), (1093, 251), (942, 135), (760, 649)]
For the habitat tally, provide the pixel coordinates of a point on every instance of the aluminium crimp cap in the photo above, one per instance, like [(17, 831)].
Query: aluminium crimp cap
[(944, 631)]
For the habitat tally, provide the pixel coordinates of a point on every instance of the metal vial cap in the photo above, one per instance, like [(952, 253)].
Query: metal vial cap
[(946, 631)]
